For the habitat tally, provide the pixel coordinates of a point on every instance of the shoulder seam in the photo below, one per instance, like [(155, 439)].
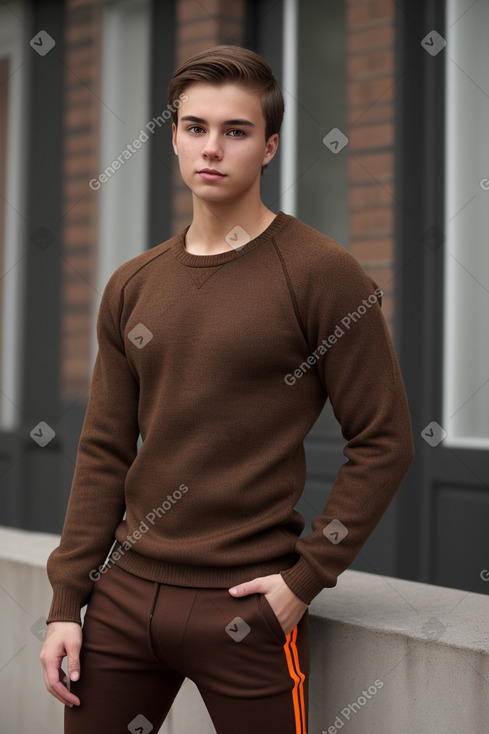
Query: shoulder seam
[(148, 262), (129, 278), (290, 288)]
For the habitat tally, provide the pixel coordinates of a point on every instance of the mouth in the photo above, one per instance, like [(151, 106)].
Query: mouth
[(210, 174)]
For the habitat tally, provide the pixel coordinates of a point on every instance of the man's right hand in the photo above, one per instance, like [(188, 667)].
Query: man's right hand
[(62, 639)]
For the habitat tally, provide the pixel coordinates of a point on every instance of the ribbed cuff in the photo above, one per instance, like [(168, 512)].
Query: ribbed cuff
[(65, 607), (303, 580)]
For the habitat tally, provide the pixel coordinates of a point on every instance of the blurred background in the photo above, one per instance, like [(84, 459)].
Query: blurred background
[(407, 194)]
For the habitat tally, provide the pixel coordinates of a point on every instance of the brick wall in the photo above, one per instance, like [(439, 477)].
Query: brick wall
[(80, 204), (370, 113)]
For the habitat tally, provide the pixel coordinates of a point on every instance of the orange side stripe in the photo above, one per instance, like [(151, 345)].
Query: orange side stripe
[(292, 657), (295, 653), (294, 677)]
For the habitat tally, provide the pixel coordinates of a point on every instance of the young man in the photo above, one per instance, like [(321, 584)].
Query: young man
[(220, 347)]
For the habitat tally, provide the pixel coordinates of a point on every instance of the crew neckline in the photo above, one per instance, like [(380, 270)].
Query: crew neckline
[(207, 261)]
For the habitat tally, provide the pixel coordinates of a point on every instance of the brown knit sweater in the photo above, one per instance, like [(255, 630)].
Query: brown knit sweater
[(223, 363)]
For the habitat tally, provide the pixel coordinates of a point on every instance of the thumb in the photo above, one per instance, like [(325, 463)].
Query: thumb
[(249, 587), (73, 653)]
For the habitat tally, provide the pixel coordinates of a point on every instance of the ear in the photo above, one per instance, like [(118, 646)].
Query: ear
[(174, 137), (270, 149)]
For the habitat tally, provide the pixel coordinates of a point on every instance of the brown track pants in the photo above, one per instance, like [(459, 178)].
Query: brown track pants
[(141, 639)]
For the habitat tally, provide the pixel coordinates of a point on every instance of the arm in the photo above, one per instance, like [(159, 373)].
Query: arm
[(361, 376), (360, 373), (106, 450)]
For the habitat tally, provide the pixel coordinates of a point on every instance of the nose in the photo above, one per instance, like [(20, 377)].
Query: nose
[(212, 147)]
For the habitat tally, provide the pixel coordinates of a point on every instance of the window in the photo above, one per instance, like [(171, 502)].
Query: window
[(466, 342), (12, 203), (314, 182), (124, 117)]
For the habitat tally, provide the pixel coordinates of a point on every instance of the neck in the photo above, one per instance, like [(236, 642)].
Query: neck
[(212, 222)]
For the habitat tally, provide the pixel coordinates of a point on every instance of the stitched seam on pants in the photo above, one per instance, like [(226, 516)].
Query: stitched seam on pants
[(149, 634), (196, 591)]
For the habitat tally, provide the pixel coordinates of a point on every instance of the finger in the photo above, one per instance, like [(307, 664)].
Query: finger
[(249, 587), (60, 692), (73, 652), (53, 679)]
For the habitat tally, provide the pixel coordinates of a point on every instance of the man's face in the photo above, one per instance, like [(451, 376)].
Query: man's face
[(222, 129)]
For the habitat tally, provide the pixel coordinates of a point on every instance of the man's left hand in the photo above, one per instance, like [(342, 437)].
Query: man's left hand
[(288, 608)]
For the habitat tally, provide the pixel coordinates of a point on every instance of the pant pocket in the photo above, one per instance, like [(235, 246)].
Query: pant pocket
[(271, 618)]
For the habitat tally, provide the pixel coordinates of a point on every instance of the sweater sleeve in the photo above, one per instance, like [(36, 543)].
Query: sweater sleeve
[(359, 370), (106, 449)]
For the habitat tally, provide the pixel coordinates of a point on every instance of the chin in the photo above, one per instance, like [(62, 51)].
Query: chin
[(216, 199), (207, 193)]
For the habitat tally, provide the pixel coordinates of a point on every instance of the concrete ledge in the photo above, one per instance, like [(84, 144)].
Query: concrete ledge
[(390, 655), (23, 546), (414, 610), (387, 655), (24, 602)]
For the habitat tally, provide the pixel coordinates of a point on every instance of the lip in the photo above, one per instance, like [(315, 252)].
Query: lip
[(211, 174)]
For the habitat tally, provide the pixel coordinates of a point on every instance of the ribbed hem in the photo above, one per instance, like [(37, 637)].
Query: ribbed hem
[(199, 576), (65, 607), (304, 581)]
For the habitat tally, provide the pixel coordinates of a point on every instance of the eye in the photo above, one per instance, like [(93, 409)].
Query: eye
[(195, 129), (239, 133)]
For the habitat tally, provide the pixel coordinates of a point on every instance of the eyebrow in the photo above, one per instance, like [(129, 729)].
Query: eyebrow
[(191, 118)]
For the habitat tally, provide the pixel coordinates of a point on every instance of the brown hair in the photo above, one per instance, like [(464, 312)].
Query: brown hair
[(231, 64)]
